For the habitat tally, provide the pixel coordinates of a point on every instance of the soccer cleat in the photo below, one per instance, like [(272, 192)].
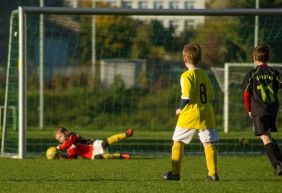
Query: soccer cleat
[(125, 156), (278, 170), (129, 132), (213, 178), (170, 176)]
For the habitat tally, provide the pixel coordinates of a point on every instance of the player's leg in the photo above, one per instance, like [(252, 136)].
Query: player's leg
[(208, 137), (177, 152), (112, 156), (211, 161), (277, 149), (262, 129), (273, 128), (101, 152), (118, 137), (271, 153), (180, 137)]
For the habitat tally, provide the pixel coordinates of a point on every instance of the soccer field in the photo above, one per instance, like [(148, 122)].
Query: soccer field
[(251, 174)]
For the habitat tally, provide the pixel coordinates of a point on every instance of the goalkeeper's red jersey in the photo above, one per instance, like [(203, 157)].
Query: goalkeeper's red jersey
[(260, 88), (77, 146)]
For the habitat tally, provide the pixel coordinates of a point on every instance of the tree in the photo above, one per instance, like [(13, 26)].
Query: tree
[(269, 26), (222, 41), (141, 43), (115, 36)]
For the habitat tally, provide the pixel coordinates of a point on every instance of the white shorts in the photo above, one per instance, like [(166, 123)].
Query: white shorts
[(98, 148), (186, 135)]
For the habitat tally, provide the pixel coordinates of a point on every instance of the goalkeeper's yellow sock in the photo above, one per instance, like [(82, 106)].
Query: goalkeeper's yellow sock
[(111, 156), (176, 156), (116, 138), (211, 159)]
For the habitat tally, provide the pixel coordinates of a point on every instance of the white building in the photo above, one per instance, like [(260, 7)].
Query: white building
[(128, 70), (179, 22)]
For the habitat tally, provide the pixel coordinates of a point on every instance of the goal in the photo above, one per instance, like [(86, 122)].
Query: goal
[(103, 70)]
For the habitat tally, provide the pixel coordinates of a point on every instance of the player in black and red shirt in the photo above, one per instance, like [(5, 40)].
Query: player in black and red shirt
[(260, 88), (74, 145)]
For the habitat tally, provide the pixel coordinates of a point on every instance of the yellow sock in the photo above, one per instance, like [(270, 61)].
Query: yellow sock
[(116, 138), (211, 159), (111, 156), (176, 156)]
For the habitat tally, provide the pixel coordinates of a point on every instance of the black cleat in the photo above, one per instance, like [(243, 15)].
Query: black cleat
[(170, 176), (213, 178), (278, 170)]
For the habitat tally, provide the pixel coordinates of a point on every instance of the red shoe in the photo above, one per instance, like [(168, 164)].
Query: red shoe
[(125, 156), (129, 132)]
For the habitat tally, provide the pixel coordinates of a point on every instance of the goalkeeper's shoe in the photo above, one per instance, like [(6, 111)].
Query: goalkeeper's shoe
[(278, 170), (125, 156), (170, 176), (129, 132), (213, 178)]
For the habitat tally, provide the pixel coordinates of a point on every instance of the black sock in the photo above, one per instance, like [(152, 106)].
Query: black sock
[(275, 146), (277, 150), (271, 154)]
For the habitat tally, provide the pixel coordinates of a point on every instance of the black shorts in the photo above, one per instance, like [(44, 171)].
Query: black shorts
[(264, 124)]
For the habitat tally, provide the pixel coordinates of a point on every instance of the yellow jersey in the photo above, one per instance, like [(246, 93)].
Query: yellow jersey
[(198, 113)]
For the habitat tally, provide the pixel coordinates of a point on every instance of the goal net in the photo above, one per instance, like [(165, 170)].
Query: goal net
[(100, 71)]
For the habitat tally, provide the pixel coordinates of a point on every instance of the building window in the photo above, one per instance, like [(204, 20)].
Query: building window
[(142, 4), (126, 4), (112, 3), (189, 4), (189, 24), (173, 4), (173, 23), (158, 5)]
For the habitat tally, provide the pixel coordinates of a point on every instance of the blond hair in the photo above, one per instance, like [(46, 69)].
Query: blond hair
[(192, 53), (60, 130)]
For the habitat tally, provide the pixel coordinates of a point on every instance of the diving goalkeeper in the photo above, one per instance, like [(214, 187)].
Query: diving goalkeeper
[(74, 145)]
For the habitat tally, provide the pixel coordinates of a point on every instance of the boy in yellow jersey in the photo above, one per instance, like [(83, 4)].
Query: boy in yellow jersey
[(195, 114)]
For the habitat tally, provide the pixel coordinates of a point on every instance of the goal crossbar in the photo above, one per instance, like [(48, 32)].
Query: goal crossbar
[(123, 11)]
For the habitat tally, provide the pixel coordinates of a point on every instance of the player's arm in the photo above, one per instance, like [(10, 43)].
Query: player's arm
[(69, 154), (72, 138), (247, 94), (185, 88), (183, 103), (247, 101)]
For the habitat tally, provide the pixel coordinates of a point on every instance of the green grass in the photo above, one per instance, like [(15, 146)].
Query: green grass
[(252, 174)]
